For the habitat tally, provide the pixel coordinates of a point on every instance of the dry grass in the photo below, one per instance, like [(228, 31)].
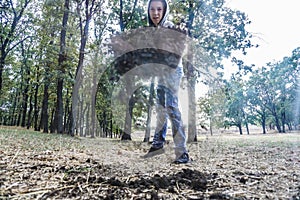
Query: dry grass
[(35, 165)]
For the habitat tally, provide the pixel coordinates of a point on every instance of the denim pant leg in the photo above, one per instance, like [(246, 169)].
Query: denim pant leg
[(174, 114), (167, 107), (161, 118)]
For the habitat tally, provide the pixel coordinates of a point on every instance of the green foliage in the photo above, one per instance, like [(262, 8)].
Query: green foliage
[(127, 14), (218, 29), (269, 97), (212, 107)]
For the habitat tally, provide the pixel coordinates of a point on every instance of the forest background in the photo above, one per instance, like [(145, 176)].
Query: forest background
[(47, 47)]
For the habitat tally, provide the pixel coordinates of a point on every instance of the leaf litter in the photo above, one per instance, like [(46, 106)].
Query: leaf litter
[(50, 166)]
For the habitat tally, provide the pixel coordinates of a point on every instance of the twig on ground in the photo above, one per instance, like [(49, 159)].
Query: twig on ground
[(12, 160)]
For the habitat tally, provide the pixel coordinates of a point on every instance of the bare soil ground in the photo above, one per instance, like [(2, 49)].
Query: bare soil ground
[(49, 166)]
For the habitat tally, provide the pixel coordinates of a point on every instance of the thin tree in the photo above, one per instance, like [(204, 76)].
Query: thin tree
[(149, 112), (89, 7), (62, 57), (11, 16)]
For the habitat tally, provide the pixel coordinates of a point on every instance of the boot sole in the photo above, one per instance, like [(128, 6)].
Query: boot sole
[(154, 153)]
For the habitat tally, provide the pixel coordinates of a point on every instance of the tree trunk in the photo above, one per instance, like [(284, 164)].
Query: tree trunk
[(24, 106), (26, 84), (67, 114), (87, 130), (240, 129), (93, 103), (283, 121), (44, 115), (128, 117), (61, 69), (127, 129), (2, 63), (210, 126), (52, 123), (59, 107), (247, 128), (290, 126), (14, 108), (84, 30), (19, 112), (70, 122), (274, 113), (264, 123), (103, 124), (84, 120), (111, 124), (122, 26), (29, 113), (277, 124), (44, 120), (192, 129), (81, 116), (35, 108), (149, 112)]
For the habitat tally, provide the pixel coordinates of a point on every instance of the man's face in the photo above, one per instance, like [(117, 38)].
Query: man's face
[(156, 11)]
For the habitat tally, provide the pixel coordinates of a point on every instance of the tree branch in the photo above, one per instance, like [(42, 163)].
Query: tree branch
[(132, 12)]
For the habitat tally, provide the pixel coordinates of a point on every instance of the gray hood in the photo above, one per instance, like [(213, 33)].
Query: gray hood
[(164, 19)]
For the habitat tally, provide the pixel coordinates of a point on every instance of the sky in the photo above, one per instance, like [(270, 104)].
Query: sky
[(275, 26)]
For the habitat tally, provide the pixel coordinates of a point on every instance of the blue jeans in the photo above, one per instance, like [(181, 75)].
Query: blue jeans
[(167, 108)]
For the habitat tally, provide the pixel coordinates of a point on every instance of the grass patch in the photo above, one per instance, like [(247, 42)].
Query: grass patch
[(24, 139), (18, 138), (271, 140)]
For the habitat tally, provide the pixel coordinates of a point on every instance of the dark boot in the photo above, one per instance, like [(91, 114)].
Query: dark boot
[(184, 158), (154, 151)]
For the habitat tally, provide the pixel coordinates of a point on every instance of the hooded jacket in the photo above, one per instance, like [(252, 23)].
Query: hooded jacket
[(164, 22)]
